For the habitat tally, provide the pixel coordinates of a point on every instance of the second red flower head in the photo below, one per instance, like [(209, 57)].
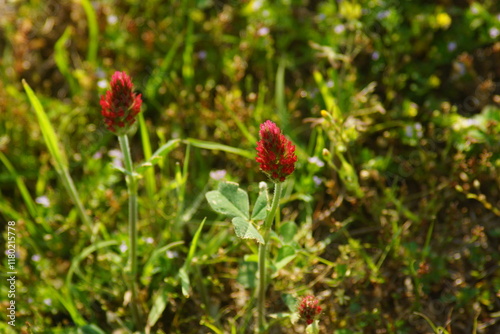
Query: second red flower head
[(120, 105), (275, 153)]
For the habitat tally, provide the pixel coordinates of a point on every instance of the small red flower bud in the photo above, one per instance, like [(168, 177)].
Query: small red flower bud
[(309, 309), (120, 105), (275, 153)]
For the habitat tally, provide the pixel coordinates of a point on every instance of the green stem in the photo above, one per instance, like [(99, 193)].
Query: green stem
[(132, 226), (315, 329), (262, 257)]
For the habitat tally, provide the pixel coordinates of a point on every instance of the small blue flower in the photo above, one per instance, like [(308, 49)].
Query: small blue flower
[(494, 32), (316, 161), (317, 180), (383, 14), (218, 175), (117, 156), (202, 54), (340, 28), (171, 255), (263, 31), (123, 247), (43, 201)]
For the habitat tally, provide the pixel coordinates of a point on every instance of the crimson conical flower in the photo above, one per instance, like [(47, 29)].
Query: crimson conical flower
[(275, 153), (120, 105), (309, 309)]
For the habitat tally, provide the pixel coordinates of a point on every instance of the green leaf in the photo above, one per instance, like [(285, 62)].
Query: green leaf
[(159, 305), (341, 270), (261, 204), (245, 230), (290, 301), (229, 200), (185, 283), (247, 271), (285, 255), (145, 166), (288, 231), (118, 168)]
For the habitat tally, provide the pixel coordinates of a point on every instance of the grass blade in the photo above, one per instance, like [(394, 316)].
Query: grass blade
[(30, 204), (61, 57), (61, 163), (183, 272), (93, 31), (216, 146), (67, 302), (164, 149), (280, 95), (48, 132), (146, 147), (194, 243)]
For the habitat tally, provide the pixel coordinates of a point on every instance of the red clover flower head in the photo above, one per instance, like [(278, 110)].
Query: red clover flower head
[(275, 153), (120, 105), (309, 309)]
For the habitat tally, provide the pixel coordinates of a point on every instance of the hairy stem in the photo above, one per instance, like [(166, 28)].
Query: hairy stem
[(262, 258), (132, 226)]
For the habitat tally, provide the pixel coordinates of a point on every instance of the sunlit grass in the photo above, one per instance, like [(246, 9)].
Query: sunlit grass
[(390, 218)]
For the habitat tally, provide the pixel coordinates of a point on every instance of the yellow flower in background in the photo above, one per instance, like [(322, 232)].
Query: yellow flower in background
[(443, 20), (434, 81), (350, 11)]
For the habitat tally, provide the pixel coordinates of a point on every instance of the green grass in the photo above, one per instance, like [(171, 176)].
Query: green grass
[(390, 218)]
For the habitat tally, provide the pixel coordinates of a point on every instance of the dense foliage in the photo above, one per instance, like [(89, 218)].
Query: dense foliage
[(391, 218)]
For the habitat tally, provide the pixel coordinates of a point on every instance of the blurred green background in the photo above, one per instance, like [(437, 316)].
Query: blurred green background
[(401, 214)]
